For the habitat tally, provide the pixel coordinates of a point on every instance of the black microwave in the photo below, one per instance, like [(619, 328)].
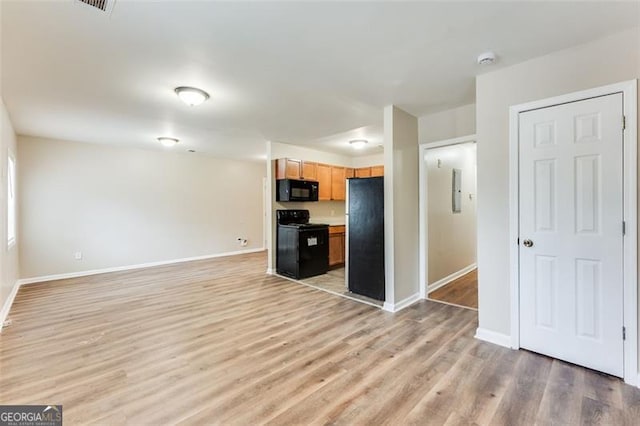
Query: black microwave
[(296, 190)]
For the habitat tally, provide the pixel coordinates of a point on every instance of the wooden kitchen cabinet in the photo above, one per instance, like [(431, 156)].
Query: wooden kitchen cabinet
[(338, 184), (331, 179), (324, 182), (363, 172), (373, 171), (377, 171), (289, 168), (337, 237), (309, 170)]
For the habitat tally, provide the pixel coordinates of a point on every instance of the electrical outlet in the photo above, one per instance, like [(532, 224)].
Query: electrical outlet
[(242, 241), (78, 255)]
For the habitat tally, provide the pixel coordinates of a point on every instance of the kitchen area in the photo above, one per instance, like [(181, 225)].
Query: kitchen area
[(329, 224)]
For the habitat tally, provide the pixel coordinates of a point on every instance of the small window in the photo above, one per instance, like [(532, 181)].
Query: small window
[(11, 201)]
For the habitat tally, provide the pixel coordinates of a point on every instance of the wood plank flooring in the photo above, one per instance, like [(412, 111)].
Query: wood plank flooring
[(219, 342), (334, 282), (462, 291)]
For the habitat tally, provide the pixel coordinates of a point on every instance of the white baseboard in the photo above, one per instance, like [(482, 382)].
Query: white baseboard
[(395, 307), (25, 281), (446, 280), (493, 337), (4, 313), (270, 271)]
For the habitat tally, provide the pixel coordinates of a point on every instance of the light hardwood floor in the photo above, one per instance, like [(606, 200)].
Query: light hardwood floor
[(334, 282), (219, 342), (462, 291)]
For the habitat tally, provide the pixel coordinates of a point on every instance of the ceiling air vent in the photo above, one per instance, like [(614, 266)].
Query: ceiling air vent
[(105, 6)]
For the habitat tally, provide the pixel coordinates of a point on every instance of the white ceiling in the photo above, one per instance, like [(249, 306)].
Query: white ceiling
[(312, 73)]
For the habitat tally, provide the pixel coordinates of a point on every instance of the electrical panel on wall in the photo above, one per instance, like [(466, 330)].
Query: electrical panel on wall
[(456, 191)]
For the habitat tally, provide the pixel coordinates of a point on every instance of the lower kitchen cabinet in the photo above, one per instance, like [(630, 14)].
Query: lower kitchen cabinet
[(337, 237)]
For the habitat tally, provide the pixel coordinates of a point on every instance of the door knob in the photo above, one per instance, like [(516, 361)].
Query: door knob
[(528, 243)]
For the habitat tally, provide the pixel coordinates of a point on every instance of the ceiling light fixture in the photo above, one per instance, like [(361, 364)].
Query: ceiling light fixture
[(191, 95), (358, 143), (487, 58), (168, 142)]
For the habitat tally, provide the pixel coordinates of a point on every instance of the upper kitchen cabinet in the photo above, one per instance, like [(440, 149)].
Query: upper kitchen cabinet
[(309, 170), (289, 168), (363, 172), (338, 183), (377, 171), (332, 180), (373, 171), (324, 182)]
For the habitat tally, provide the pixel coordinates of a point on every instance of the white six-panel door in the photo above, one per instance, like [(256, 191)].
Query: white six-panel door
[(571, 232)]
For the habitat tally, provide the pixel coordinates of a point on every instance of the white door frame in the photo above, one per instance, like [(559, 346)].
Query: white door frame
[(424, 205), (630, 274)]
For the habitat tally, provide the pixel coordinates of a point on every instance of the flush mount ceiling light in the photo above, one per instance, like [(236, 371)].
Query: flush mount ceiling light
[(168, 142), (487, 58), (191, 95), (358, 143)]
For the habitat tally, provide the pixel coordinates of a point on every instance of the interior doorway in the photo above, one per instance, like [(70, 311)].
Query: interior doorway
[(448, 221)]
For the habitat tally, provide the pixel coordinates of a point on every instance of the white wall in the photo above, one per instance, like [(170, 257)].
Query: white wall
[(605, 61), (452, 236), (9, 260), (448, 124), (8, 256), (401, 197), (368, 160), (121, 206)]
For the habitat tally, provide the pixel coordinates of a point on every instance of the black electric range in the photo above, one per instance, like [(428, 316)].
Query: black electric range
[(302, 248)]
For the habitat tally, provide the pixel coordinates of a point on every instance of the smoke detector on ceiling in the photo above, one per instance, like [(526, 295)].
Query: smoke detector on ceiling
[(105, 6), (487, 58)]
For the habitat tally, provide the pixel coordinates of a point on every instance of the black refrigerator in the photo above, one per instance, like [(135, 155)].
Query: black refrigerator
[(365, 236)]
